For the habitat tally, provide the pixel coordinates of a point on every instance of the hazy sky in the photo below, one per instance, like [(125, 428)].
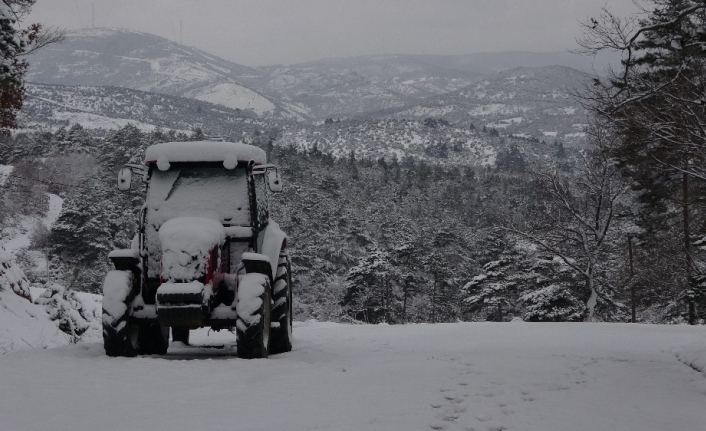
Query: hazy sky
[(265, 32)]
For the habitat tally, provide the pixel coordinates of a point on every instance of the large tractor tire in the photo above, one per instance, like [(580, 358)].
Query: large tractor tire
[(252, 327), (120, 336), (153, 339), (281, 335), (181, 335)]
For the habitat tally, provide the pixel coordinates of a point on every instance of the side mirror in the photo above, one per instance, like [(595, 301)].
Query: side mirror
[(274, 182), (124, 179)]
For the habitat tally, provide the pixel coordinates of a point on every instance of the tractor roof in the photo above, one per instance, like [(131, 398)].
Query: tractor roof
[(204, 151)]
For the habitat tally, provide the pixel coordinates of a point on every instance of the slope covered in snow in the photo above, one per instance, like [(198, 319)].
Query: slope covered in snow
[(482, 376), (95, 108), (140, 61)]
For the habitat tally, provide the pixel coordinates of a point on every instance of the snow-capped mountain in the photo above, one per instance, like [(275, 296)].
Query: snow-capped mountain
[(535, 102), (140, 61)]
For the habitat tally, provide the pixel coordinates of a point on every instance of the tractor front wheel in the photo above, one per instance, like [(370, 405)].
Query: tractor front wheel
[(253, 309), (120, 335), (282, 307)]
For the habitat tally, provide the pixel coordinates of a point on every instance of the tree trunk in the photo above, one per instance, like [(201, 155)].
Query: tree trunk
[(433, 302), (593, 298), (632, 281), (404, 301), (687, 244)]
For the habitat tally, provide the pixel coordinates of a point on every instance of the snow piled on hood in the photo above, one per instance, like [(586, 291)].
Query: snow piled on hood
[(186, 242)]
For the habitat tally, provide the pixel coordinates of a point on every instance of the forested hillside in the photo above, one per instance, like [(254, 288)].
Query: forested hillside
[(409, 239), (49, 107)]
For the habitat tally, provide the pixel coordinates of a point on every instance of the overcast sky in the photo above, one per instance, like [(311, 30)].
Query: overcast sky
[(265, 32)]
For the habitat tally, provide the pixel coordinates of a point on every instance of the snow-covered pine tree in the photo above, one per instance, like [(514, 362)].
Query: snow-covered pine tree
[(66, 309), (369, 294), (81, 238), (653, 102), (493, 293), (16, 42), (550, 297), (12, 68)]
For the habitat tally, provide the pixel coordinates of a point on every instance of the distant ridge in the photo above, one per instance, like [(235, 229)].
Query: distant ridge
[(350, 87), (141, 61)]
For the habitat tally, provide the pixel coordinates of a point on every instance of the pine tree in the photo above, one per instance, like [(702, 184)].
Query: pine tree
[(15, 43), (493, 293), (550, 297), (369, 294), (654, 102)]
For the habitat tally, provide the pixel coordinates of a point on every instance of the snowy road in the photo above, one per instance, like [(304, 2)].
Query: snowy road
[(482, 376)]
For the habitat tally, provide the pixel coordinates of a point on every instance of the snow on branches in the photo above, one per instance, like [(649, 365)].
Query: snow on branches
[(15, 43)]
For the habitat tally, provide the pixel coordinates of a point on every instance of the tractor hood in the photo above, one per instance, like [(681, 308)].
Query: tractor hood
[(187, 243)]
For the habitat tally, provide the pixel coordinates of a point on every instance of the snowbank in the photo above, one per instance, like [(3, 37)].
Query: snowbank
[(23, 324), (12, 278), (68, 310)]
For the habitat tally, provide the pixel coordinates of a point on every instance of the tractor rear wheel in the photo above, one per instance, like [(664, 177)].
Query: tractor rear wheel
[(282, 307), (252, 326)]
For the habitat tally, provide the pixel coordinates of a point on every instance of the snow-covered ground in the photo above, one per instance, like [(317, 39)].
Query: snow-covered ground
[(466, 376), (24, 325)]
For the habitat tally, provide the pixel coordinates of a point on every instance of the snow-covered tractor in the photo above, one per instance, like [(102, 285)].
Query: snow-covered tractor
[(207, 254)]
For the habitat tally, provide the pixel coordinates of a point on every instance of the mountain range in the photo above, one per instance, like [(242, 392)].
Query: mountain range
[(482, 89)]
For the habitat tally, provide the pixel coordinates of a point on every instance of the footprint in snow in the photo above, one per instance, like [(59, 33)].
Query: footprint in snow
[(483, 417)]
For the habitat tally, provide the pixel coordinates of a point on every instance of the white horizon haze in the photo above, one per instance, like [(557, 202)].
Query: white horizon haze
[(267, 32)]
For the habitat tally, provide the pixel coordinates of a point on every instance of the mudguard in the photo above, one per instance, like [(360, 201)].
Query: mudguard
[(273, 240)]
